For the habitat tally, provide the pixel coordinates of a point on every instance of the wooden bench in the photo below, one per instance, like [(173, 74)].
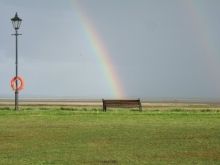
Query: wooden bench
[(122, 104)]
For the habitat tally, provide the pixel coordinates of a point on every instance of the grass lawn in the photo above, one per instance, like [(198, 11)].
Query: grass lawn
[(115, 137)]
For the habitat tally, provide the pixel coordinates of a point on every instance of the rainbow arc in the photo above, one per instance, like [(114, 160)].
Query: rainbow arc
[(101, 52)]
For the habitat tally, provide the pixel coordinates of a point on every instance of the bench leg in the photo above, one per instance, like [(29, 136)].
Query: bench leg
[(140, 107), (104, 108)]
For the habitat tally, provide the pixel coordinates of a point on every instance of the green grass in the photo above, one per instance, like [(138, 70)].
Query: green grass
[(115, 137)]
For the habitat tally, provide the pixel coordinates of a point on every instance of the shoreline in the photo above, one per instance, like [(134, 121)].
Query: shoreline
[(98, 102)]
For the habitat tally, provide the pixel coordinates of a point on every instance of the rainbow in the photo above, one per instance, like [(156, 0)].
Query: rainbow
[(202, 30), (101, 52)]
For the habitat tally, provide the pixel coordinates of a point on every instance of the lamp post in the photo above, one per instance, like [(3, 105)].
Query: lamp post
[(16, 22)]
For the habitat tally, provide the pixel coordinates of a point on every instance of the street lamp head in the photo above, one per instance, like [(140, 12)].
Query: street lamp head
[(16, 22)]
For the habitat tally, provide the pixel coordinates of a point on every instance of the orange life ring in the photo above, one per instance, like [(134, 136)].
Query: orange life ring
[(20, 84)]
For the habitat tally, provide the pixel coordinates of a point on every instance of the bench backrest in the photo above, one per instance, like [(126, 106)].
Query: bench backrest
[(122, 104)]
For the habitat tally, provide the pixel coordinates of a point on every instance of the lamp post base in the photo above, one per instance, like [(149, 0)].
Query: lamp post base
[(16, 101)]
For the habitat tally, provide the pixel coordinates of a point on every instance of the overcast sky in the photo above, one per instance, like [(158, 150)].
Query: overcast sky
[(159, 49)]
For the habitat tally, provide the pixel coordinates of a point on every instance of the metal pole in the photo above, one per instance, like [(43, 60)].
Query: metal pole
[(16, 70)]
